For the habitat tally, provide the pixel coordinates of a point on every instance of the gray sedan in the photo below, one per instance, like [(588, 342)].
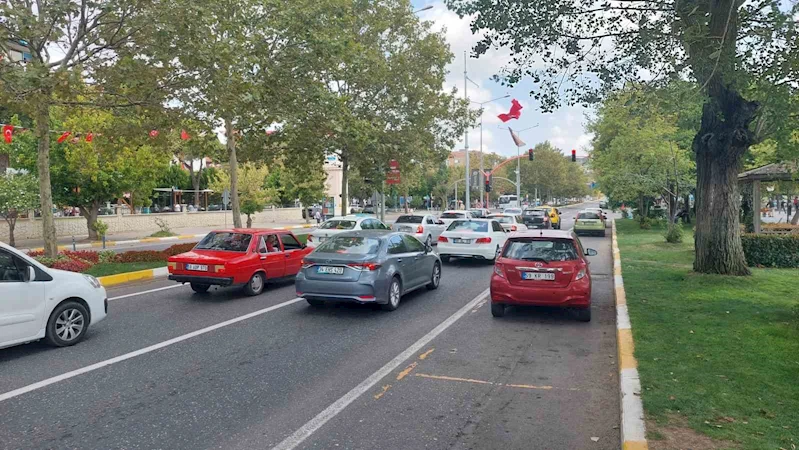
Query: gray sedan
[(367, 267)]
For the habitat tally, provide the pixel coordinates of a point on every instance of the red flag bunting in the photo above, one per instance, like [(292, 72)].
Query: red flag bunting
[(63, 137), (154, 133), (8, 131), (184, 135), (514, 113), (89, 137)]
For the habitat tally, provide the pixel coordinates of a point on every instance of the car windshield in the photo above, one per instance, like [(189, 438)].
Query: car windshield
[(227, 242), (409, 219), (453, 215), (502, 219), (588, 215), (468, 225), (338, 225), (540, 250), (534, 212), (350, 245)]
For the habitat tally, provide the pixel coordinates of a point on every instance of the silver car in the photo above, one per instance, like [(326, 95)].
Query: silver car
[(367, 267), (427, 228)]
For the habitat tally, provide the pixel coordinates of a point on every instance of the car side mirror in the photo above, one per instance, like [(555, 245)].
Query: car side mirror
[(440, 222), (29, 274), (590, 252), (428, 248)]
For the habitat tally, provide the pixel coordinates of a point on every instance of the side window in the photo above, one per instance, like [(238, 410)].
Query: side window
[(10, 268), (272, 243), (261, 245), (413, 244), (395, 245), (429, 221), (290, 242), (496, 226), (367, 224), (380, 225)]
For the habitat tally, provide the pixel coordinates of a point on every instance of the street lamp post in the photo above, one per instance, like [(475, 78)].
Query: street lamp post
[(482, 169), (519, 166)]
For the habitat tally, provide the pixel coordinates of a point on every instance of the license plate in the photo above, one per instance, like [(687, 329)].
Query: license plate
[(545, 276), (462, 241), (330, 270), (405, 229), (200, 267)]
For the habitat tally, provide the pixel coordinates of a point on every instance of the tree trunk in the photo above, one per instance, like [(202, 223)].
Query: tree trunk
[(90, 214), (687, 199), (234, 176), (795, 219), (249, 221), (344, 193), (722, 139), (43, 167), (11, 219), (641, 211), (195, 184)]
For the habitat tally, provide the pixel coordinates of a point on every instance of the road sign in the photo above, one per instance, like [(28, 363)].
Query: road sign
[(226, 196), (393, 164), (393, 177)]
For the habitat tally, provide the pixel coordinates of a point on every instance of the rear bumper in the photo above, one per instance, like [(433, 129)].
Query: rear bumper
[(217, 281), (537, 226), (590, 230), (483, 251), (576, 295), (346, 291)]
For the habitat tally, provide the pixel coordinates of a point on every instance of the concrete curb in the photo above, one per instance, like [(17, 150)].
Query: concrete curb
[(633, 428), (120, 278)]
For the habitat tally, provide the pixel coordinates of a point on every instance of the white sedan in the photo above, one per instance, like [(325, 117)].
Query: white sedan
[(509, 222), (475, 238), (427, 228), (42, 303), (448, 216), (513, 211), (337, 225)]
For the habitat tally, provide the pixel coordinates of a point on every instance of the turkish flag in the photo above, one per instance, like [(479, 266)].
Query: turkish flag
[(154, 133), (8, 131), (514, 113), (184, 135), (89, 137), (63, 137)]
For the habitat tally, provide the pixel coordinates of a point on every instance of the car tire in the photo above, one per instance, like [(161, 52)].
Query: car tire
[(315, 303), (435, 277), (67, 324), (394, 294), (200, 288), (256, 284), (444, 258), (496, 255), (497, 309), (583, 315)]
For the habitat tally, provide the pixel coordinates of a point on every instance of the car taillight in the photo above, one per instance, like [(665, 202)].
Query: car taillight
[(513, 228), (172, 265), (419, 229), (485, 240), (364, 267), (499, 270), (306, 264), (580, 275), (442, 239), (219, 268)]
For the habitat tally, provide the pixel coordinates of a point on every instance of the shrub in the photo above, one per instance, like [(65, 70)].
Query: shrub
[(86, 255), (100, 227), (771, 250), (140, 256), (178, 249), (49, 262), (72, 265), (107, 256), (674, 234), (35, 253), (645, 222)]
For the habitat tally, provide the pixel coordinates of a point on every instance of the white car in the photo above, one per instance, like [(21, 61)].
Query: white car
[(513, 211), (37, 302), (480, 213), (427, 228), (448, 216), (338, 225), (472, 238), (509, 222)]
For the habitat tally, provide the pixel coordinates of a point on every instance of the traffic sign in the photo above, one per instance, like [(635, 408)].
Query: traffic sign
[(393, 177)]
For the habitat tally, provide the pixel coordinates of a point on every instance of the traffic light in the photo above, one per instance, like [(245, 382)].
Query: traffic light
[(488, 183), (530, 155), (574, 155)]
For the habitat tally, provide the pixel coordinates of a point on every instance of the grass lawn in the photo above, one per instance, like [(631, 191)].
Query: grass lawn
[(103, 269), (716, 354)]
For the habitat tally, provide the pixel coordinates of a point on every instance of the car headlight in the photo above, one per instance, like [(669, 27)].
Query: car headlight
[(93, 281)]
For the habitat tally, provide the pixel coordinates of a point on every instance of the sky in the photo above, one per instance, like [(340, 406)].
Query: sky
[(564, 128)]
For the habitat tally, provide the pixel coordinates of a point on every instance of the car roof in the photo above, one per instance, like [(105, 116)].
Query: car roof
[(250, 230), (550, 234), (474, 219), (367, 233), (455, 211)]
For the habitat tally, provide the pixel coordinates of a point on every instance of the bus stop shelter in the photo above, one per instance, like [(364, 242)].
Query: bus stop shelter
[(768, 173)]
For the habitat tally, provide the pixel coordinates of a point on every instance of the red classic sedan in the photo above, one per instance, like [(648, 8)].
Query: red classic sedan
[(239, 257), (542, 268)]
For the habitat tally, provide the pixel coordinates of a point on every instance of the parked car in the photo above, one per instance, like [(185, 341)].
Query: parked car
[(247, 258), (536, 218), (336, 225), (37, 302), (542, 268), (474, 238), (589, 222), (448, 216), (509, 222), (427, 228), (367, 266)]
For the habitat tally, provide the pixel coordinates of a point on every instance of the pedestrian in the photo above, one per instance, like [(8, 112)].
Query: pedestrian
[(318, 216), (782, 206), (790, 207)]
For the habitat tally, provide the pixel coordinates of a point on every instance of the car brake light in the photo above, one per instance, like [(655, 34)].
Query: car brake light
[(442, 239), (513, 228), (483, 240), (172, 265), (364, 267), (499, 271), (420, 229), (580, 275), (219, 268)]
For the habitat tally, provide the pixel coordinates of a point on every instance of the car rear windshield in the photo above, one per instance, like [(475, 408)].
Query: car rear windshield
[(587, 216), (338, 225), (350, 245), (227, 242), (468, 225), (513, 211), (409, 219), (534, 212), (453, 215), (502, 219), (529, 249)]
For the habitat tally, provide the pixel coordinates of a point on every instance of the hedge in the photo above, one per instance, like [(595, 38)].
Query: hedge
[(771, 250), (82, 260)]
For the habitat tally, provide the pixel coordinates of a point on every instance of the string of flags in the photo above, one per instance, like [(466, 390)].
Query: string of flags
[(9, 130)]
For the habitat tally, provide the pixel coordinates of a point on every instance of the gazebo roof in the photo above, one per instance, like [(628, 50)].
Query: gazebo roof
[(770, 172)]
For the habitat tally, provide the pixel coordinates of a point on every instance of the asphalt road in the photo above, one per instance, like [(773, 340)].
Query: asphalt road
[(232, 372)]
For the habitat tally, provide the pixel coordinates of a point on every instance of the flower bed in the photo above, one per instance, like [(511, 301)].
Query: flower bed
[(83, 260)]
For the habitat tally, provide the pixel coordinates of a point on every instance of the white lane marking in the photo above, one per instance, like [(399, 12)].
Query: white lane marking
[(331, 411), (133, 354), (119, 297)]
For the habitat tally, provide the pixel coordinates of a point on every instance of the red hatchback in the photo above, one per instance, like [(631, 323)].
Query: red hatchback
[(542, 268), (239, 257)]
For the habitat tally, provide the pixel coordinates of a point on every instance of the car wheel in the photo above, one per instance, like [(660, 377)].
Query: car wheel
[(496, 255), (316, 303), (435, 278), (67, 324), (445, 258), (497, 309), (394, 293), (429, 241), (256, 284), (583, 315), (200, 288)]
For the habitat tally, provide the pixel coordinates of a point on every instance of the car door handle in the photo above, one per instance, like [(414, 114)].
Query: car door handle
[(288, 255), (263, 258)]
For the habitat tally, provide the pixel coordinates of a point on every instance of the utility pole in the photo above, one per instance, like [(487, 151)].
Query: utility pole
[(466, 133), (518, 177)]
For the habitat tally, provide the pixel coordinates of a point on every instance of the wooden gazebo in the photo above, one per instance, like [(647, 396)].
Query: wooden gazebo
[(767, 173)]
